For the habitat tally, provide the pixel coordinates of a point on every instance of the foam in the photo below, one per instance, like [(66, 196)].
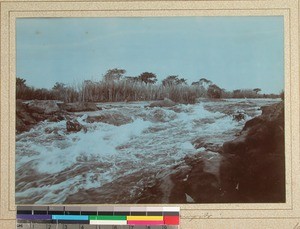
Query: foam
[(118, 151)]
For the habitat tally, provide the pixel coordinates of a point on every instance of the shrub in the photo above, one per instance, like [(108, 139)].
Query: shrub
[(214, 91), (282, 95)]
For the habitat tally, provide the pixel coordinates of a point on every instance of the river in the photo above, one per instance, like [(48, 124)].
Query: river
[(127, 152)]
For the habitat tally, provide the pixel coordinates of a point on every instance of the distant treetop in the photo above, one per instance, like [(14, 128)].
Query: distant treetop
[(147, 78), (114, 74), (173, 80)]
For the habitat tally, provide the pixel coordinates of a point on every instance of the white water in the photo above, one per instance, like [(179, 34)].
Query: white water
[(52, 163)]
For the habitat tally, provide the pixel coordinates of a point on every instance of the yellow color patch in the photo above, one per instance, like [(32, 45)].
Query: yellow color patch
[(156, 218)]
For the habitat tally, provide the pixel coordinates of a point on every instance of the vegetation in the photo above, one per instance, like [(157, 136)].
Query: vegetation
[(214, 91), (114, 74), (147, 78), (115, 86), (282, 95), (173, 80), (245, 93)]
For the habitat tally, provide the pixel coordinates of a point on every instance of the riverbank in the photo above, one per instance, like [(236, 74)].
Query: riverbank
[(248, 169), (30, 113)]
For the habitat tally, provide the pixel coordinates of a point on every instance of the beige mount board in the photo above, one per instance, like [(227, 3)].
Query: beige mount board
[(283, 215)]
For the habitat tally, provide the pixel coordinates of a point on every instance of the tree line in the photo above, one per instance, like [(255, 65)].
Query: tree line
[(115, 86)]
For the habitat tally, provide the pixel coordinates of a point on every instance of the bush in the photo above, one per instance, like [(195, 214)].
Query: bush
[(282, 95), (214, 91), (246, 93)]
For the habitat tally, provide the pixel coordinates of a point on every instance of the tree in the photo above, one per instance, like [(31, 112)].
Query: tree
[(214, 91), (20, 82), (170, 80), (59, 86), (182, 81), (257, 90), (147, 77), (203, 83), (196, 83), (132, 78), (22, 90), (282, 95), (114, 74), (203, 80), (60, 91), (173, 80), (236, 93)]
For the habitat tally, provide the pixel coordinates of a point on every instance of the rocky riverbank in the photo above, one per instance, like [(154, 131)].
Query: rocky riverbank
[(253, 168), (248, 169), (30, 113)]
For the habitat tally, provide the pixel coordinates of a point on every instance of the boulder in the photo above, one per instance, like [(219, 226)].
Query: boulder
[(203, 187), (24, 119), (75, 126), (238, 117), (43, 106), (199, 143), (56, 118), (161, 115), (253, 168), (79, 106), (163, 103), (202, 143), (30, 113), (116, 119), (184, 182)]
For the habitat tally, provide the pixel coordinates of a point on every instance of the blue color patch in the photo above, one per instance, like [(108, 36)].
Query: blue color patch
[(70, 217)]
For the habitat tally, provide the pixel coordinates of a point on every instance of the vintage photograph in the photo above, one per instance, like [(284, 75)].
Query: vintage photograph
[(140, 110)]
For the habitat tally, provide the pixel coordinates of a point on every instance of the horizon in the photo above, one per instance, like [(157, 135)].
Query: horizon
[(233, 52)]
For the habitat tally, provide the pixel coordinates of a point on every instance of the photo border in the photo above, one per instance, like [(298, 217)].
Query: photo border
[(209, 215)]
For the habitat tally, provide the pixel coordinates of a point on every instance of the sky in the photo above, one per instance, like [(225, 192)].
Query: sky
[(233, 52)]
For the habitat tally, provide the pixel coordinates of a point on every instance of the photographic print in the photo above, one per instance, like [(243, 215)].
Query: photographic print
[(140, 110)]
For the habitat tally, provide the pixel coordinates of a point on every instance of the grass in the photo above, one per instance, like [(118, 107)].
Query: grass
[(123, 90), (127, 90)]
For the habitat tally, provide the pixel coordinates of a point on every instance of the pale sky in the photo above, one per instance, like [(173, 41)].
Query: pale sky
[(233, 52)]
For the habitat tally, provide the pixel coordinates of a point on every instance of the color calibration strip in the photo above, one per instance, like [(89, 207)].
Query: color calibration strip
[(87, 216)]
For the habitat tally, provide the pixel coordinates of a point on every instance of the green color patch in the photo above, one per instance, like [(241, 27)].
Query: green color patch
[(107, 217)]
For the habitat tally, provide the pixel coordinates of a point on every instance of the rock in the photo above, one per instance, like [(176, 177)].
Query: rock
[(38, 116), (253, 168), (201, 143), (189, 199), (198, 143), (75, 126), (20, 125), (160, 115), (116, 119), (168, 188), (186, 179), (79, 106), (163, 103), (56, 118), (43, 106), (238, 117), (24, 119), (176, 109), (30, 113), (203, 187)]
